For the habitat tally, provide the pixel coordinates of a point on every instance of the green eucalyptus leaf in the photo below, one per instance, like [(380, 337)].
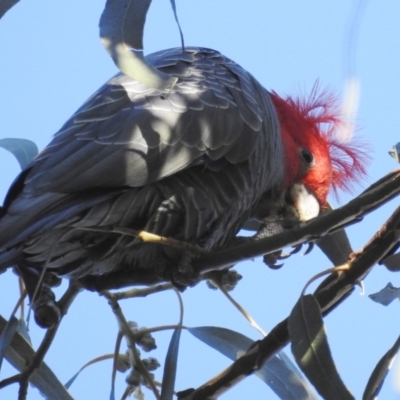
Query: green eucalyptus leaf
[(171, 363), (121, 32), (23, 330), (281, 376), (7, 333), (6, 336), (24, 150), (311, 350), (336, 245), (379, 373), (171, 359), (20, 353), (392, 263)]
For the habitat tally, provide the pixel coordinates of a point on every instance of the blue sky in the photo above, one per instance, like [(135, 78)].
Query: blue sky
[(53, 61)]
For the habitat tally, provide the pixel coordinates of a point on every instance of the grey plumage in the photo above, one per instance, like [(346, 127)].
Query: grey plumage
[(191, 164)]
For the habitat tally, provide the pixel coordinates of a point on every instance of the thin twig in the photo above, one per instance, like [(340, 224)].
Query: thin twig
[(116, 353), (23, 390), (328, 271), (181, 308), (23, 293), (20, 303), (248, 317), (142, 292)]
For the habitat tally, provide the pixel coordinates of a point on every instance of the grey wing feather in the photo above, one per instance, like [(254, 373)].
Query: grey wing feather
[(130, 135), (118, 161)]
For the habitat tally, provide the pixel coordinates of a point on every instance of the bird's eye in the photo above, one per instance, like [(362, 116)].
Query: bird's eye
[(307, 156)]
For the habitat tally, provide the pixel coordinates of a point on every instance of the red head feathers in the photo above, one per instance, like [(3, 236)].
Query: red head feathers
[(314, 154)]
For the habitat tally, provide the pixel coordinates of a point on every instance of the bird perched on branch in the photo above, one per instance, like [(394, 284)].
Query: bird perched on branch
[(193, 163)]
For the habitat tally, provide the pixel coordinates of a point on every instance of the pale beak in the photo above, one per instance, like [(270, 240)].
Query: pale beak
[(304, 202)]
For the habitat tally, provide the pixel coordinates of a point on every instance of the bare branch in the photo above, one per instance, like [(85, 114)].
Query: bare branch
[(330, 293)]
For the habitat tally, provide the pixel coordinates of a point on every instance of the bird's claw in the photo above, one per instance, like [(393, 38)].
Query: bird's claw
[(296, 249), (271, 259), (309, 248)]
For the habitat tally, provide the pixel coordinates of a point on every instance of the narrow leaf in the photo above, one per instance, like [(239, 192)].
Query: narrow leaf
[(13, 325), (91, 362), (286, 382), (386, 295), (23, 330), (171, 359), (173, 5), (379, 373), (336, 247), (171, 362), (6, 336), (6, 5), (392, 263), (311, 350), (23, 150), (20, 354), (72, 380), (112, 394), (121, 32)]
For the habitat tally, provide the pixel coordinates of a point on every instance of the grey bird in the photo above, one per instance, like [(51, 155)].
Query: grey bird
[(190, 163), (193, 163)]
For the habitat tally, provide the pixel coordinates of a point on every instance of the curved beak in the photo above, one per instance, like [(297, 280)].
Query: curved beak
[(304, 202)]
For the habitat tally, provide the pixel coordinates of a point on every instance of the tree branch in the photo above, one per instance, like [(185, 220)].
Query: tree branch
[(334, 290)]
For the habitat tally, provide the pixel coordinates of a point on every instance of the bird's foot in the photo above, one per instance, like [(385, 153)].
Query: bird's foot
[(184, 274), (270, 228), (227, 279), (43, 302), (271, 259), (46, 311)]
